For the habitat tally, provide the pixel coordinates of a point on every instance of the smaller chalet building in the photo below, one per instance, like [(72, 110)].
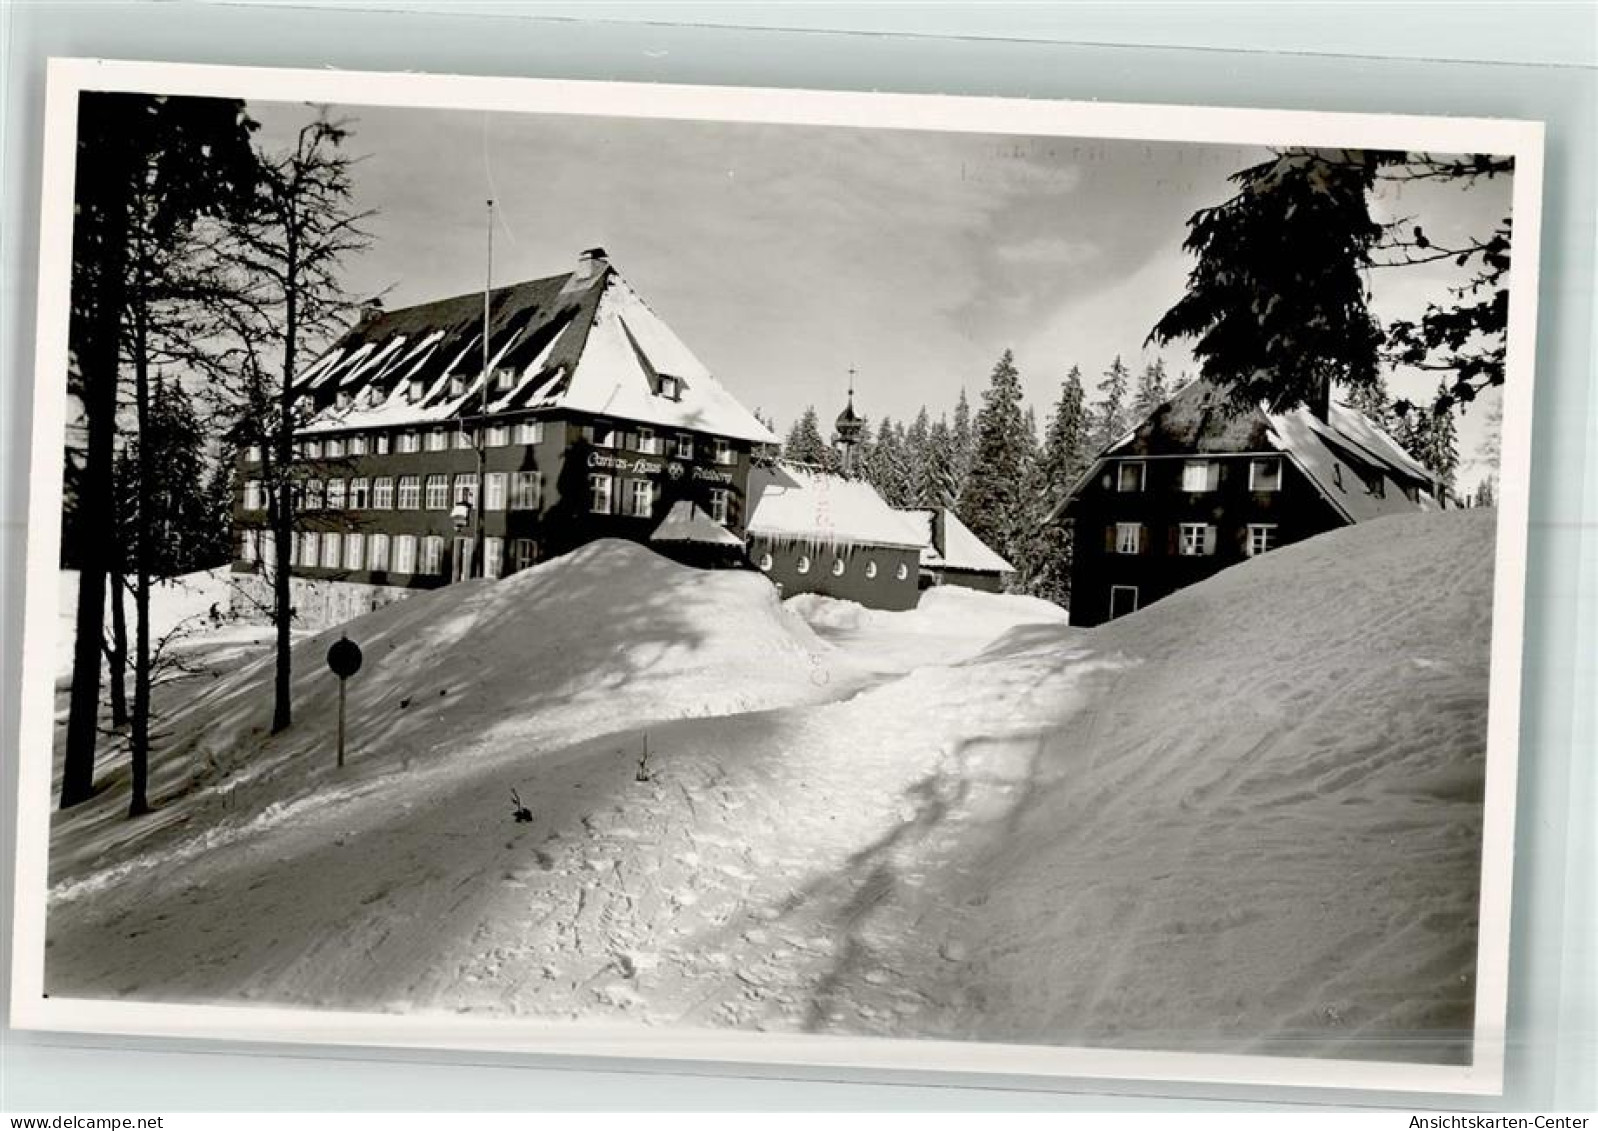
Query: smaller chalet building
[(814, 531), (1199, 486), (952, 555), (592, 420)]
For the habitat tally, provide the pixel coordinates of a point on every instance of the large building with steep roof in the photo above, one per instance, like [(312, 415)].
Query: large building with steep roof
[(591, 419), (1198, 486)]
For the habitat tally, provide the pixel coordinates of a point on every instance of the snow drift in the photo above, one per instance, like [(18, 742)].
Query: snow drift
[(609, 636), (1246, 818)]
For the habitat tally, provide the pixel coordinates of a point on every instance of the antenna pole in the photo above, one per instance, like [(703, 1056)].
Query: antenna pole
[(479, 562)]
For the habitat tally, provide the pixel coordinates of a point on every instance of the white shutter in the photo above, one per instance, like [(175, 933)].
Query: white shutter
[(1209, 539)]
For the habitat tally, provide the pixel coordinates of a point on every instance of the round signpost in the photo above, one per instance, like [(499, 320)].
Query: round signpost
[(344, 658)]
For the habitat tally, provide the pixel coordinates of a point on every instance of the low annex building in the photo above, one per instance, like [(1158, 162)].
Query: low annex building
[(1198, 486), (596, 421), (952, 554), (815, 531)]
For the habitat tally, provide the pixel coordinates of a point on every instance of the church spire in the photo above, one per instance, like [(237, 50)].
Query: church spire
[(848, 429)]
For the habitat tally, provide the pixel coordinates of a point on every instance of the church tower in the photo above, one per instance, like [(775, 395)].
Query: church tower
[(847, 431)]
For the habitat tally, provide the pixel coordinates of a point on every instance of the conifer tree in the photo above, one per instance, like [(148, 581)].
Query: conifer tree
[(1111, 419), (1373, 402), (1064, 457), (993, 498), (173, 487), (217, 545), (915, 457), (962, 441), (1427, 434), (149, 170), (1152, 391), (806, 445), (939, 468)]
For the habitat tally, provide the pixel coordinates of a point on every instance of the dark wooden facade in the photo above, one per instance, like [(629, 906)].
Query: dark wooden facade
[(879, 577), (1201, 485), (1181, 535), (539, 495)]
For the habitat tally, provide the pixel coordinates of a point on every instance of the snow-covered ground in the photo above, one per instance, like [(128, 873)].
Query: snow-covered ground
[(949, 624), (191, 611), (1244, 818)]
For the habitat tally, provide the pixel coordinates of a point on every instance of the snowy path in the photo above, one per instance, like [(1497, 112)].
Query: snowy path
[(645, 898)]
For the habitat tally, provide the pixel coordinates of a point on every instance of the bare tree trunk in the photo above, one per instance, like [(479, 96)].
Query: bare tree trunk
[(100, 325), (117, 654), (139, 738), (283, 513)]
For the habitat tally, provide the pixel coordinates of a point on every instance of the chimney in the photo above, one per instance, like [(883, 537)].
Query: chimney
[(371, 311), (1321, 404), (589, 264)]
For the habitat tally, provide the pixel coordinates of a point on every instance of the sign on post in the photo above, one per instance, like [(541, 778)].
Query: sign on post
[(344, 658)]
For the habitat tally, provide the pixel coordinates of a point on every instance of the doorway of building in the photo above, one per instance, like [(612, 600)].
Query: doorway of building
[(1123, 600), (462, 559)]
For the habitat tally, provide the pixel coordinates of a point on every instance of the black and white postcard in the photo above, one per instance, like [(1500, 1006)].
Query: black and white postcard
[(777, 577)]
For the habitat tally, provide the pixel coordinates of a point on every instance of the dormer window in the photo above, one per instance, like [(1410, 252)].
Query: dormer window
[(504, 379), (1129, 475), (457, 386), (345, 398), (671, 387), (415, 390), (1265, 474)]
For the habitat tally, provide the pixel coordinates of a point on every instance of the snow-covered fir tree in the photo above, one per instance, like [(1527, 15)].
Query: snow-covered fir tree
[(805, 443), (1427, 433), (1373, 401), (1110, 418), (1486, 492), (885, 467), (1063, 459), (940, 483), (994, 491), (1152, 390), (172, 489), (962, 441), (217, 547), (915, 455)]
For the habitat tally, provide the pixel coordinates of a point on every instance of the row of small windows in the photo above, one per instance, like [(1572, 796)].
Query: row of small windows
[(637, 497), (1201, 475), (645, 441), (436, 440), (838, 569), (516, 490), (1193, 539), (411, 554)]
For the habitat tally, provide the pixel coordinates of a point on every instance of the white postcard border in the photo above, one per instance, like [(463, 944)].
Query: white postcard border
[(30, 1009)]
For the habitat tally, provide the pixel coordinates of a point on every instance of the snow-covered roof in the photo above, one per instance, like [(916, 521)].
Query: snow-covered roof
[(1357, 485), (803, 504), (951, 544), (686, 522), (583, 341), (1357, 467)]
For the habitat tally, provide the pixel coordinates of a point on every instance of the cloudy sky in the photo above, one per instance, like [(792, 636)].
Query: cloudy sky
[(784, 255)]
